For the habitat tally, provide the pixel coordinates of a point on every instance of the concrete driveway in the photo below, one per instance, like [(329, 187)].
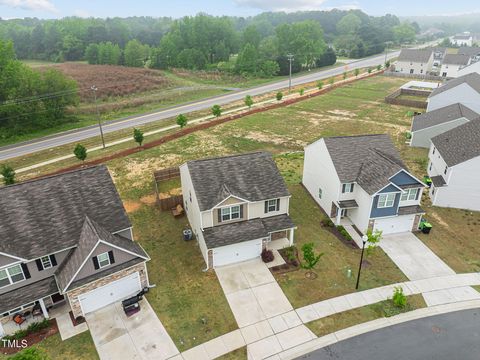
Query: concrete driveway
[(252, 292), (418, 262), (141, 336)]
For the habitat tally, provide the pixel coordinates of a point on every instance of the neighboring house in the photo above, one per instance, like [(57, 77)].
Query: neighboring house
[(415, 61), (237, 206), (436, 122), (452, 64), (67, 238), (362, 178), (474, 67), (454, 167), (462, 40), (438, 56), (473, 52), (464, 90)]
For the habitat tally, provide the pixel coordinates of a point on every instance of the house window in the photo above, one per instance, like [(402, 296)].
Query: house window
[(11, 275), (386, 200), (46, 262), (430, 167), (320, 193), (445, 171), (230, 213), (347, 188), (190, 196), (272, 205), (103, 260), (433, 152), (410, 194)]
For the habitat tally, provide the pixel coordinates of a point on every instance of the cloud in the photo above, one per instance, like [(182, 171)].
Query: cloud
[(82, 13), (32, 5), (290, 5)]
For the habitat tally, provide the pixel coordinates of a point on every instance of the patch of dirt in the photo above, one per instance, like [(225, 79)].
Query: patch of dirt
[(438, 219), (271, 138), (131, 206), (140, 170), (342, 113), (148, 199), (32, 338)]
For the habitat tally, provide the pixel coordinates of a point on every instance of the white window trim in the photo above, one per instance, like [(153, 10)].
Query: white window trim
[(269, 205), (408, 194), (98, 259), (348, 188), (49, 262), (320, 193), (387, 196), (230, 213), (9, 277)]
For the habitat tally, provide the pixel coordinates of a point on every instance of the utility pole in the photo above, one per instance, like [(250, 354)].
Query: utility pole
[(290, 59), (94, 89)]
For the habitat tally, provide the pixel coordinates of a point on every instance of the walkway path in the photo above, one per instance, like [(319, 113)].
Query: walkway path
[(417, 262)]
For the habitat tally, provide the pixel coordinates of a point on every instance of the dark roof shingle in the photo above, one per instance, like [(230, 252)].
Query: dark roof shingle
[(472, 79), (443, 115), (253, 177), (459, 144), (456, 59), (415, 55), (46, 215)]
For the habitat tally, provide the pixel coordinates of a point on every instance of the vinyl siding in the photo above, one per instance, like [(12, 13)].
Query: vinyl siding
[(383, 212), (463, 94), (422, 138)]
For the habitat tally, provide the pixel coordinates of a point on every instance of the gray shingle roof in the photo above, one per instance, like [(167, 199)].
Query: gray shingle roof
[(46, 215), (91, 234), (438, 181), (470, 51), (242, 231), (462, 37), (415, 55), (459, 144), (443, 115), (409, 210), (473, 80), (456, 59), (369, 160), (252, 177), (27, 294)]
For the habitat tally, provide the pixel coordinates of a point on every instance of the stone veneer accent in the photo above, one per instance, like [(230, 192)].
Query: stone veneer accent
[(416, 222), (279, 235), (371, 223), (210, 259), (73, 294), (333, 210)]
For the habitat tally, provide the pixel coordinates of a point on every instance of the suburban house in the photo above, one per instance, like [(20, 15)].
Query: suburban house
[(415, 61), (474, 67), (361, 180), (464, 90), (436, 122), (438, 55), (66, 239), (462, 40), (473, 52), (452, 63), (237, 206), (454, 167)]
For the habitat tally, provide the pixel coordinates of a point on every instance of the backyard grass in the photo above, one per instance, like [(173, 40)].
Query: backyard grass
[(239, 354), (361, 315), (79, 347)]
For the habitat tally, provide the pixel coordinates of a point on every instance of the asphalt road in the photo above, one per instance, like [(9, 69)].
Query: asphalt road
[(453, 336), (20, 149)]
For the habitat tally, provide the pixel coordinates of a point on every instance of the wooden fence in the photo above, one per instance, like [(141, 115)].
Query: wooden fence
[(165, 175), (171, 202), (394, 99), (414, 76)]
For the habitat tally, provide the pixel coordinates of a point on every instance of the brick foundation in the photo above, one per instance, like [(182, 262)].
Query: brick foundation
[(73, 294)]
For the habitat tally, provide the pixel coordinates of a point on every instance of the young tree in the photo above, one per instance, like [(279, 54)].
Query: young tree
[(373, 238), (80, 152), (248, 101), (135, 53), (216, 110), (301, 91), (344, 75), (320, 85), (357, 72), (8, 174), (331, 81), (279, 96), (309, 256), (138, 136), (182, 121)]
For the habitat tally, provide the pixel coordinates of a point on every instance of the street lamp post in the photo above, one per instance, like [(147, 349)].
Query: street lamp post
[(290, 59), (94, 89), (364, 241)]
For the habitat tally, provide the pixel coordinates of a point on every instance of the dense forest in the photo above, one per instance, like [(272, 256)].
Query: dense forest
[(256, 45)]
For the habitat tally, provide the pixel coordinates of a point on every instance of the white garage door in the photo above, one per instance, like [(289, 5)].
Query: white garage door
[(110, 293), (237, 252), (395, 224)]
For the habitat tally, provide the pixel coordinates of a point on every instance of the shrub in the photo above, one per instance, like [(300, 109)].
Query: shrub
[(30, 354), (344, 233), (138, 136), (379, 67), (327, 222), (248, 101), (290, 253), (216, 110), (331, 81), (309, 256), (279, 96), (344, 75), (302, 91), (320, 85), (369, 70), (399, 298), (182, 121), (80, 152), (357, 72), (267, 256), (8, 174)]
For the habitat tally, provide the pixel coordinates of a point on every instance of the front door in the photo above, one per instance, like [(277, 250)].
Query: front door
[(344, 212)]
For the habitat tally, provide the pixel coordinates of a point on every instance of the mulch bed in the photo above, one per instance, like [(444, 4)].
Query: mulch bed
[(32, 339), (290, 265), (79, 320), (210, 124)]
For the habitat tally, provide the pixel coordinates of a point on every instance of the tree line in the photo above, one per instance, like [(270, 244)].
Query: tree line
[(256, 45)]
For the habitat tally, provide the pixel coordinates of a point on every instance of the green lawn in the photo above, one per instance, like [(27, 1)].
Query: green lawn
[(361, 315), (80, 347)]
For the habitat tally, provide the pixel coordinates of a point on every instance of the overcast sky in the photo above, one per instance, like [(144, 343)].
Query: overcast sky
[(178, 8)]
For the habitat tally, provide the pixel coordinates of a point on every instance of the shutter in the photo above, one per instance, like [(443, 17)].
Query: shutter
[(110, 256), (95, 263), (278, 204), (352, 186), (25, 271), (418, 193), (39, 264), (241, 211), (266, 206), (53, 260), (219, 212), (343, 188)]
